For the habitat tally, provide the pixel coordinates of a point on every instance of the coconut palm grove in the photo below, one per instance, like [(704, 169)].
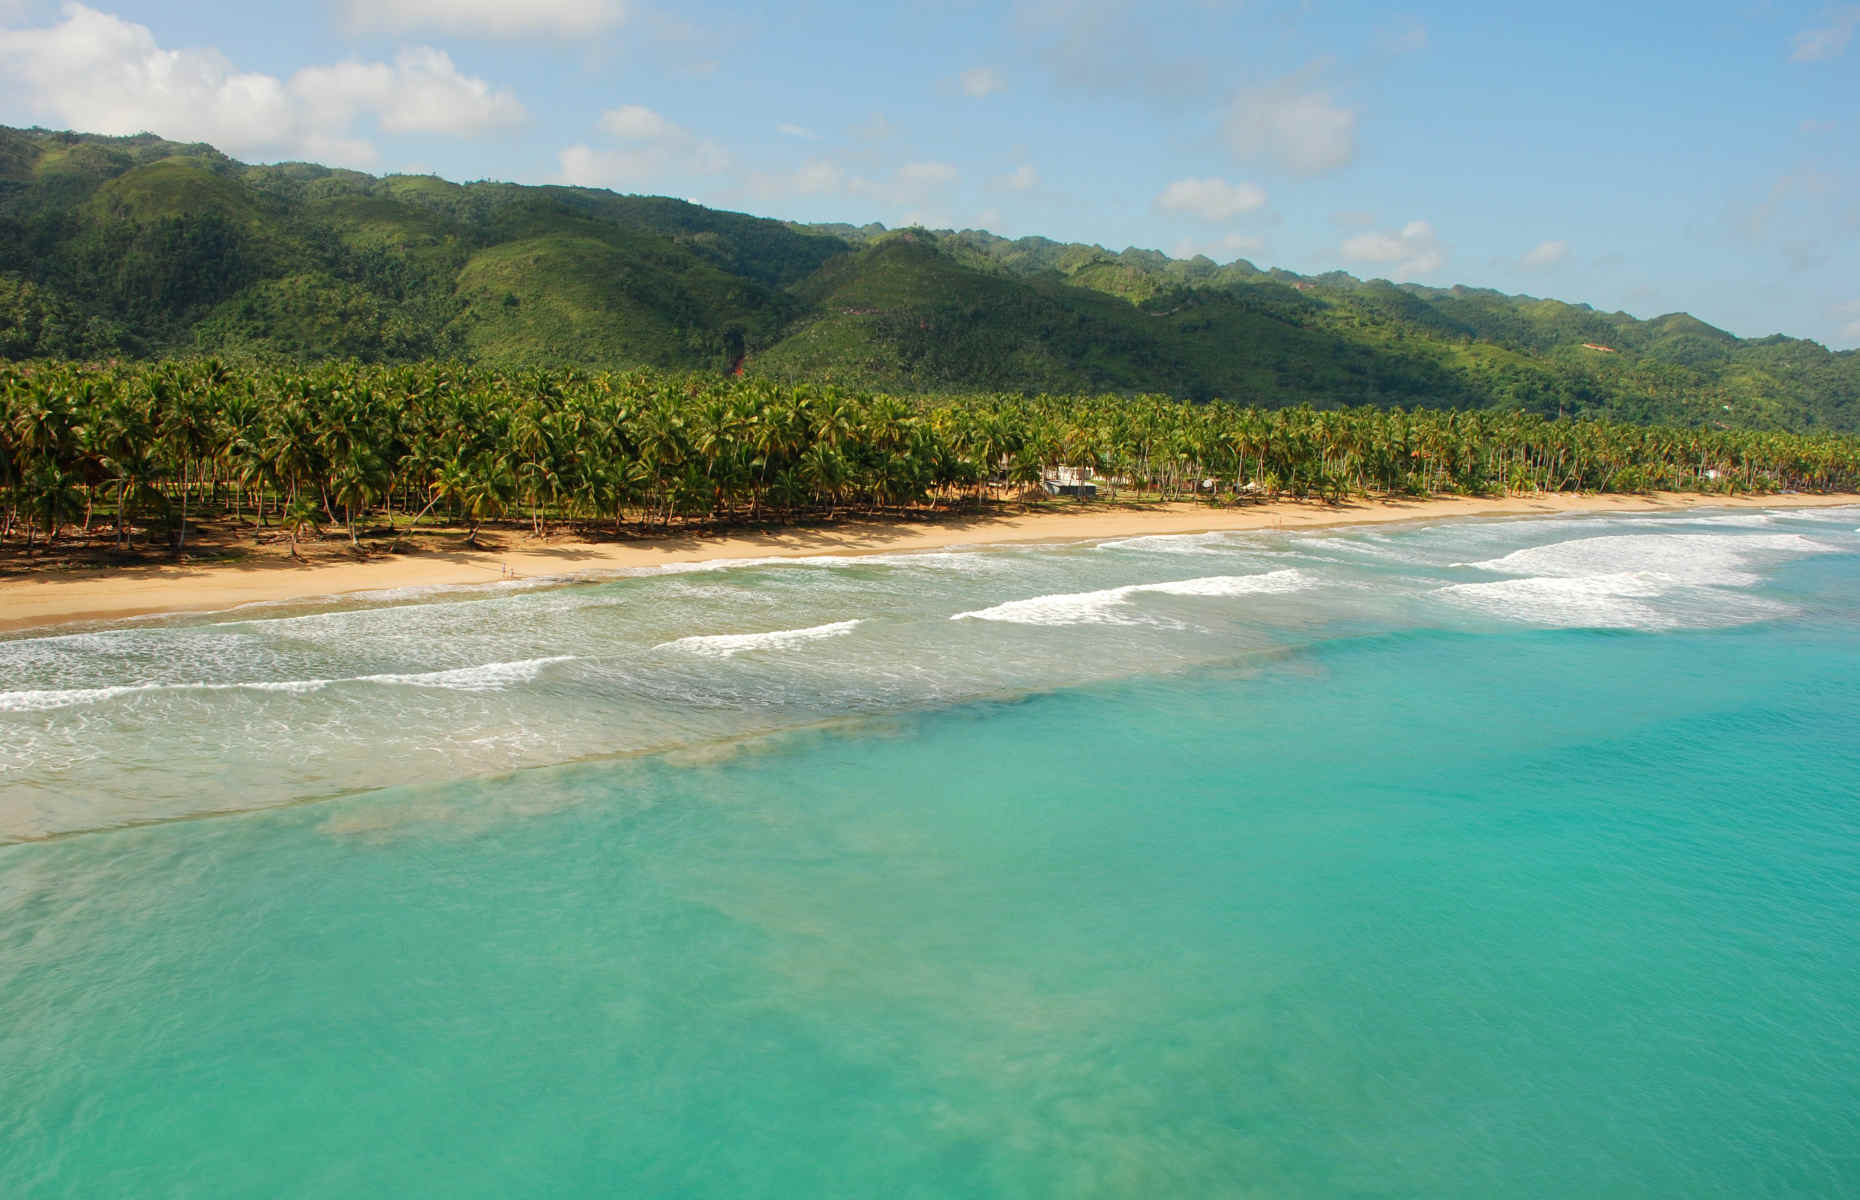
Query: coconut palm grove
[(534, 689), (307, 349), (130, 451)]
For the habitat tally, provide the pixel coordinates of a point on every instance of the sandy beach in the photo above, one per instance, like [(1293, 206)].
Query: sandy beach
[(269, 575)]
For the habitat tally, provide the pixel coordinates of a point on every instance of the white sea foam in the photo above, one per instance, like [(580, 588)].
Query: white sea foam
[(565, 599), (1695, 519), (488, 677), (1610, 601), (947, 560), (1695, 559), (1755, 520), (1368, 546), (1289, 580), (1834, 515), (723, 645), (1743, 519), (942, 560), (1634, 581), (1173, 543), (95, 641), (1068, 608), (47, 698), (1110, 606), (1629, 600)]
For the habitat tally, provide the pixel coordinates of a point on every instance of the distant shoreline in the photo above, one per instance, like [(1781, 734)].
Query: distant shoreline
[(269, 576)]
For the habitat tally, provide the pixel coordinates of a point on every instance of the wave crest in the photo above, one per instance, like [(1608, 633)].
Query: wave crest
[(723, 645), (1687, 559), (1634, 581), (1174, 543), (1104, 607), (489, 677)]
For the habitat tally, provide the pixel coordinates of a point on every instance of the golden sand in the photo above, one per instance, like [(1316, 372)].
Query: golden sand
[(268, 574)]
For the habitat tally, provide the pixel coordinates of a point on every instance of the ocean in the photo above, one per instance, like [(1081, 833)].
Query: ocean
[(1473, 858)]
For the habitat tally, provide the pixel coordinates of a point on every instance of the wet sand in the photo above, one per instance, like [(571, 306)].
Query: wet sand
[(268, 574)]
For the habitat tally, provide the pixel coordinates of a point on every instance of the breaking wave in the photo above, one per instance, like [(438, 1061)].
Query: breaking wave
[(1614, 601), (488, 677), (1696, 559), (1106, 607), (1173, 543), (723, 645), (1634, 581)]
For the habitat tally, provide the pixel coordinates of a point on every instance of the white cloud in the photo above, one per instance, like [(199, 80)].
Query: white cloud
[(1416, 250), (1546, 254), (910, 186), (1113, 48), (1807, 215), (1023, 178), (657, 150), (422, 92), (485, 18), (909, 194), (928, 173), (797, 131), (639, 123), (1819, 45), (871, 142), (710, 157), (815, 177), (1850, 313), (650, 165), (980, 81), (1225, 248), (584, 166), (97, 72), (1411, 40), (818, 177), (1302, 130), (1212, 200)]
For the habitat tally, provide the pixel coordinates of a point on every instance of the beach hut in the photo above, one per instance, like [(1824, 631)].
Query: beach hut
[(1069, 481)]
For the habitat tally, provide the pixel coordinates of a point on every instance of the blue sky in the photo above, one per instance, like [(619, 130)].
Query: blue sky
[(1700, 157)]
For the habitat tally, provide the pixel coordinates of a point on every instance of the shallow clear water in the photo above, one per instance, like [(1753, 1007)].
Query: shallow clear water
[(1482, 858)]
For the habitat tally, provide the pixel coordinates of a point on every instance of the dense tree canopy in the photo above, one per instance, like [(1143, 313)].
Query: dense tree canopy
[(141, 446), (137, 247)]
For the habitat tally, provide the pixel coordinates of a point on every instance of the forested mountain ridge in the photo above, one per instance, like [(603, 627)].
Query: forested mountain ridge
[(139, 247)]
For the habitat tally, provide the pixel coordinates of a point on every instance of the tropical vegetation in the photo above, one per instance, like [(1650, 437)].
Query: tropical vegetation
[(137, 451), (146, 249)]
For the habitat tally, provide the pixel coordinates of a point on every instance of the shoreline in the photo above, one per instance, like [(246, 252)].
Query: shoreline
[(101, 595)]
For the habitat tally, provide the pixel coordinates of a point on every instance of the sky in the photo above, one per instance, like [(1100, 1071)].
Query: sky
[(1653, 158)]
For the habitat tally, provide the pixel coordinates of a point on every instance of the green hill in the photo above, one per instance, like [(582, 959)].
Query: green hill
[(142, 247)]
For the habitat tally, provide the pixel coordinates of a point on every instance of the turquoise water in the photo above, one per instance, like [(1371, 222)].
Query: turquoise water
[(1481, 858)]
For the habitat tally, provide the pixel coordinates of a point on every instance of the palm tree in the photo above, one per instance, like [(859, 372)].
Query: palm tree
[(299, 516), (357, 479), (567, 443), (53, 496)]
